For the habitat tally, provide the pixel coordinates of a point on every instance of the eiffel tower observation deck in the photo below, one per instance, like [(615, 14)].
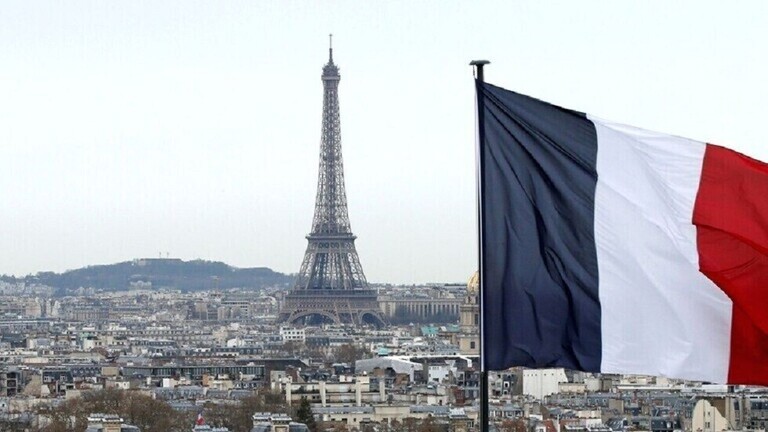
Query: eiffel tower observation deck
[(331, 285)]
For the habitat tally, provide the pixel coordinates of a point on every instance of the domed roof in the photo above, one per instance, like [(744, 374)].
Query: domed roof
[(473, 285)]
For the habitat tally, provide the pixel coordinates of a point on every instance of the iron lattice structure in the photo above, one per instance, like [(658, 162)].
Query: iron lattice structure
[(331, 282)]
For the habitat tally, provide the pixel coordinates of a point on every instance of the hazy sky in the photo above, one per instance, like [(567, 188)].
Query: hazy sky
[(192, 128)]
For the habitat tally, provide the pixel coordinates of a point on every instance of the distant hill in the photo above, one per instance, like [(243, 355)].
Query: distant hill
[(159, 273)]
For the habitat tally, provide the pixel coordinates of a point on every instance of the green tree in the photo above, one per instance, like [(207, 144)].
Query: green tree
[(304, 415)]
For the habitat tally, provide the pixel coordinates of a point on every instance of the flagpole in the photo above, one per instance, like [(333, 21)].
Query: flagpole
[(485, 420)]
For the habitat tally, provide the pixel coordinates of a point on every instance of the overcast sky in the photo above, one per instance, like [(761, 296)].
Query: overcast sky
[(134, 128)]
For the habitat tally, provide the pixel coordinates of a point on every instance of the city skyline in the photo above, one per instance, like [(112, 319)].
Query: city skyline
[(136, 129)]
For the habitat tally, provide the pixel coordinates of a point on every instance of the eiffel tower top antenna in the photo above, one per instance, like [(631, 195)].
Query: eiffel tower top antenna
[(330, 47)]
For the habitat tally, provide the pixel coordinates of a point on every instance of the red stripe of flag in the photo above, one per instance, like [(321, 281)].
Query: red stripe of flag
[(731, 216)]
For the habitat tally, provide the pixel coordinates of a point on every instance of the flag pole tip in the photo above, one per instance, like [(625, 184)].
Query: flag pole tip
[(478, 65)]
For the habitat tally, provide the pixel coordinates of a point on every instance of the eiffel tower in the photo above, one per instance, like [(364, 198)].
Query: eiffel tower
[(331, 285)]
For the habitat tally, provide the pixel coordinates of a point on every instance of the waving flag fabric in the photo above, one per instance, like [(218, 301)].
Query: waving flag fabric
[(609, 248)]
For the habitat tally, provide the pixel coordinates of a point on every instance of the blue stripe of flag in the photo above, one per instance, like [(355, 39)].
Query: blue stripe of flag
[(540, 277)]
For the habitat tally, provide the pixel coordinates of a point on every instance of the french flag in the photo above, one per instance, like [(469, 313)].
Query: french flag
[(608, 248)]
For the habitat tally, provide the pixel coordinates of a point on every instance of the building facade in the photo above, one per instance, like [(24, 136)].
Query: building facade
[(469, 319)]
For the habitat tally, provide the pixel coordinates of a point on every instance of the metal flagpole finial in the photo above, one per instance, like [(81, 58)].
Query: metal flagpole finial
[(478, 64)]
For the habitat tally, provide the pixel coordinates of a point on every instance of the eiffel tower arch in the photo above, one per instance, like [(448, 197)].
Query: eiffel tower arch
[(331, 285)]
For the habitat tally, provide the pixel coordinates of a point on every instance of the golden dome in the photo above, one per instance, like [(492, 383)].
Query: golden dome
[(473, 286)]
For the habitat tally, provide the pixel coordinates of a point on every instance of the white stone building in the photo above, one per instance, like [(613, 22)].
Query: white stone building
[(543, 382)]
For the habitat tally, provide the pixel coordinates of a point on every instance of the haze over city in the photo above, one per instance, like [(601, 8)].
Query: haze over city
[(192, 128)]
